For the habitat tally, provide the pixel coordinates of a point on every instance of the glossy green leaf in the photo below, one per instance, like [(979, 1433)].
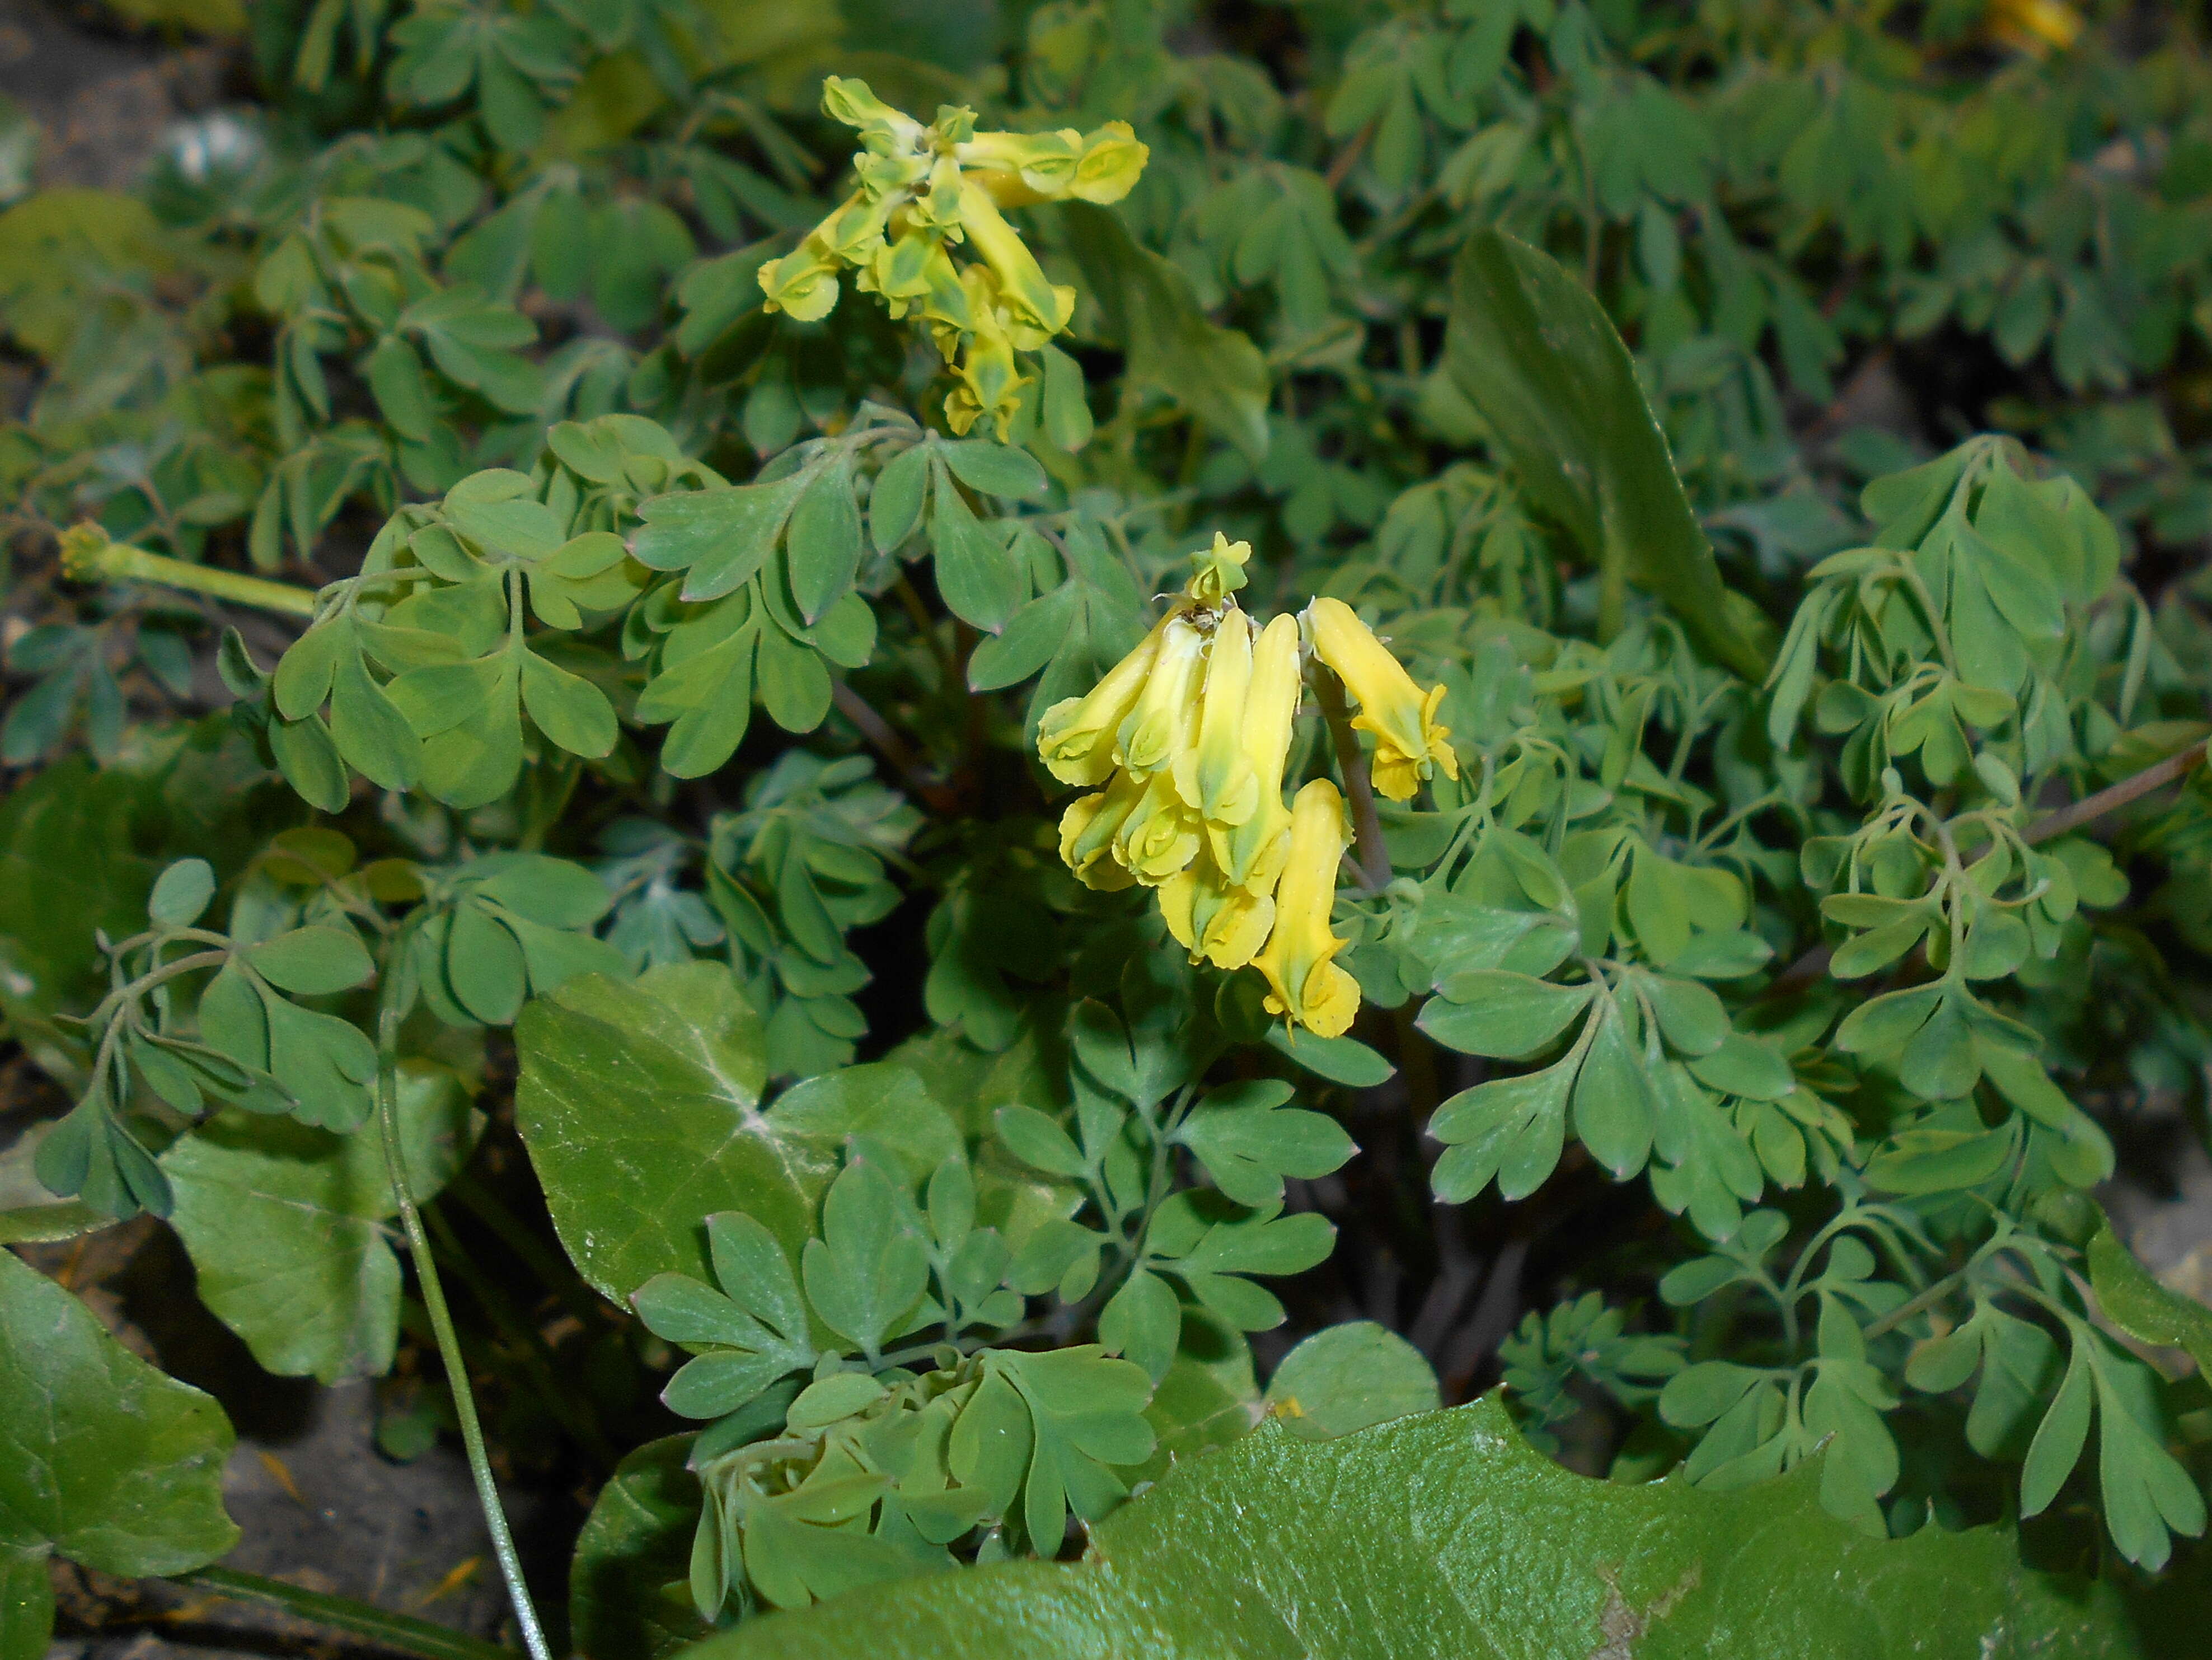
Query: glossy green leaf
[(1443, 1533), (640, 1104), (635, 1549), (108, 1462)]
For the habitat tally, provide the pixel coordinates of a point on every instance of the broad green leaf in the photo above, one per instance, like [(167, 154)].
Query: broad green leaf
[(287, 1225), (1153, 314), (636, 1546), (106, 1461), (1532, 349), (640, 1104), (719, 536), (1445, 1534), (67, 864)]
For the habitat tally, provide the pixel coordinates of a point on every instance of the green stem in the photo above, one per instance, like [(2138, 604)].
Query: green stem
[(89, 556), (536, 1359), (399, 1632), (1918, 1305), (441, 1323)]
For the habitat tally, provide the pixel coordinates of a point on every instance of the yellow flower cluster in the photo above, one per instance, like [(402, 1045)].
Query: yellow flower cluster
[(1189, 735), (924, 190)]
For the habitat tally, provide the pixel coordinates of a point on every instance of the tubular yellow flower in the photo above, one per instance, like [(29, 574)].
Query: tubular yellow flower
[(1409, 742), (1304, 983), (848, 100), (1022, 168), (803, 282), (1037, 310), (1112, 161), (1088, 830), (1213, 775), (1250, 852), (990, 381), (1160, 837), (1160, 725), (1213, 921), (1075, 735)]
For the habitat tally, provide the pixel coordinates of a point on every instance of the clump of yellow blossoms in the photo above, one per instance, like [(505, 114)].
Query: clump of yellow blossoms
[(926, 189), (1189, 734)]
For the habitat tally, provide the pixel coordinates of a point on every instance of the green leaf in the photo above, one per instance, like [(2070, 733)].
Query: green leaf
[(1443, 1533), (721, 536), (313, 961), (824, 546), (639, 1105), (567, 708), (181, 893), (634, 1546), (1153, 314), (895, 508), (1509, 1129), (1249, 1140), (107, 1462), (2142, 1308), (979, 579), (1340, 1060), (287, 1226), (1349, 1377), (998, 470), (868, 1270), (1491, 1011), (2060, 1438), (1532, 351)]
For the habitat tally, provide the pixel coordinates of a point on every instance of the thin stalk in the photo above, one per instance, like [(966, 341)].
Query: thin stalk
[(536, 1359), (401, 1632), (2118, 795), (118, 562), (1367, 822), (1918, 1305), (441, 1323)]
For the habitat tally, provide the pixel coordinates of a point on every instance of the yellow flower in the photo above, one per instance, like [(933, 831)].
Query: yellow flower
[(1304, 983), (2035, 25), (1224, 925), (989, 381), (1250, 852), (1160, 725), (1409, 742), (1160, 837), (803, 282), (1070, 732), (1036, 309), (849, 101), (1213, 775), (1088, 830), (1112, 161)]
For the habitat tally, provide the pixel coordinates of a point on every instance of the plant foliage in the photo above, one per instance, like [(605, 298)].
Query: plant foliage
[(1096, 702)]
